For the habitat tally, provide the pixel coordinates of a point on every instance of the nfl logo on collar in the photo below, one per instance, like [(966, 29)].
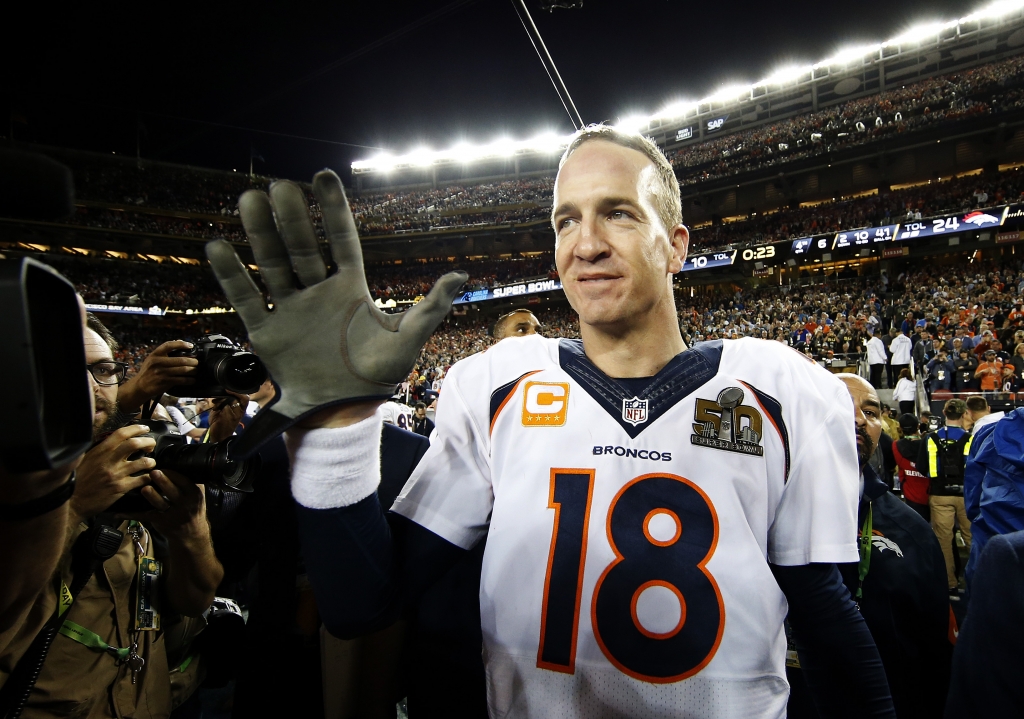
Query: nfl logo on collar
[(634, 411)]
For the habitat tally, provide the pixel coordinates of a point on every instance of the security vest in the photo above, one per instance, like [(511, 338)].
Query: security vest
[(945, 455)]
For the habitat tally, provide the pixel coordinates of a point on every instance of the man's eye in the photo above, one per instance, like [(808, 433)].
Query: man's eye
[(619, 215)]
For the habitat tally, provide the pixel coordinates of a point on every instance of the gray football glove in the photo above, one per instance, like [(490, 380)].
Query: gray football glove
[(324, 342)]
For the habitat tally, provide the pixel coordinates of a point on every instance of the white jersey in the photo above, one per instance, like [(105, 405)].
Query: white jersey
[(397, 414), (629, 533)]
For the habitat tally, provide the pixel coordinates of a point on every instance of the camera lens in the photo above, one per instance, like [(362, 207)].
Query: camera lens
[(209, 464), (239, 372)]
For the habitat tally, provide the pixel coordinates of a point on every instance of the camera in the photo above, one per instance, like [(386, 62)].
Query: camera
[(48, 413), (201, 463), (223, 368)]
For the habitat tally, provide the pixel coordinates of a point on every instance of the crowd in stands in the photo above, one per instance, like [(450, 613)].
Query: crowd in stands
[(955, 195), (413, 279), (454, 206), (124, 181), (954, 305), (155, 224), (149, 284), (193, 287), (987, 90)]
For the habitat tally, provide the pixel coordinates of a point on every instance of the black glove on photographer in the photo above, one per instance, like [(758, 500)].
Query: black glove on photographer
[(324, 342)]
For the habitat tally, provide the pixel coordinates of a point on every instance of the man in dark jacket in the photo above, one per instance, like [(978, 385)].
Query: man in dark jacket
[(988, 663), (900, 582), (964, 366)]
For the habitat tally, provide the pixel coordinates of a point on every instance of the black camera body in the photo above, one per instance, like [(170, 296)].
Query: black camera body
[(202, 463), (47, 418), (223, 368)]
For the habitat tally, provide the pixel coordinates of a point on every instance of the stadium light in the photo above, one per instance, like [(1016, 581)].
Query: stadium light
[(551, 142), (633, 123), (546, 142), (784, 75), (422, 157), (919, 33), (676, 109), (994, 11), (729, 92)]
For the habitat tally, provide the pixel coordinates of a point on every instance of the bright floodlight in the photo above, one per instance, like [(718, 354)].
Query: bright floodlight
[(993, 11), (462, 152), (786, 74), (729, 92), (676, 109), (550, 142), (420, 157), (546, 142), (632, 123), (919, 33)]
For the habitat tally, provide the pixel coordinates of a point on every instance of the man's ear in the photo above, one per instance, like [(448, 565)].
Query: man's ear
[(679, 239)]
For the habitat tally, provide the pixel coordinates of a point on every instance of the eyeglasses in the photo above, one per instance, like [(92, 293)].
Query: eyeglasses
[(108, 372)]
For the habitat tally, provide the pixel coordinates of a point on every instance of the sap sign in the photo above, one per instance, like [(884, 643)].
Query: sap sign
[(717, 123)]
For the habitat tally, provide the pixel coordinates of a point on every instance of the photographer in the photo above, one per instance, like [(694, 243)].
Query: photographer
[(141, 573)]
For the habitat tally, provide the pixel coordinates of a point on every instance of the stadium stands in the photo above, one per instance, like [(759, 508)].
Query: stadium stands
[(987, 90), (121, 194)]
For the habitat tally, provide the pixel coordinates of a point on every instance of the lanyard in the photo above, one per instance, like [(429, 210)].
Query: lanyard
[(91, 639), (864, 549)]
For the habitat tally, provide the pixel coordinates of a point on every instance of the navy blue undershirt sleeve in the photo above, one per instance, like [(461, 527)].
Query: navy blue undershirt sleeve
[(366, 566), (837, 653)]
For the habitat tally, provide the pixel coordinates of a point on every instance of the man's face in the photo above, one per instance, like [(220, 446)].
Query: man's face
[(104, 396), (421, 412), (517, 324), (868, 415), (613, 254)]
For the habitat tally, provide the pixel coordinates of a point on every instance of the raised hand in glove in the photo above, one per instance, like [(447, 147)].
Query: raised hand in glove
[(324, 342)]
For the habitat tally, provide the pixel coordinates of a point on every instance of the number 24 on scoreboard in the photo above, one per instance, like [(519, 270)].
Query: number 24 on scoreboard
[(642, 561)]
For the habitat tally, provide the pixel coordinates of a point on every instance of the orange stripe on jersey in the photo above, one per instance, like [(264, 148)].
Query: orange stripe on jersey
[(501, 396)]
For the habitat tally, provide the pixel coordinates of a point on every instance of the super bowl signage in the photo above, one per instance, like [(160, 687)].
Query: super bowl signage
[(497, 293)]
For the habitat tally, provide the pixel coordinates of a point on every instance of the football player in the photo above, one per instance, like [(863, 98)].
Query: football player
[(649, 508)]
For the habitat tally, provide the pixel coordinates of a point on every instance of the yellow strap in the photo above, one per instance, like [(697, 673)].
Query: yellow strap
[(933, 458), (967, 447)]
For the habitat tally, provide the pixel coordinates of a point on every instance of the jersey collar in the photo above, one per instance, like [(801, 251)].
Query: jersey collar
[(687, 371)]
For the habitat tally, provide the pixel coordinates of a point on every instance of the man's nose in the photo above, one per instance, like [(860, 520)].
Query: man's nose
[(592, 243)]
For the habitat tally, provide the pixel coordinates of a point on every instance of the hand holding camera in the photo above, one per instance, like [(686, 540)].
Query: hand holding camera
[(169, 365), (178, 505), (111, 469)]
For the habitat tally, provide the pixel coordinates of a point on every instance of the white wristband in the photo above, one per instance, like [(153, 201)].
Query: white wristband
[(335, 467)]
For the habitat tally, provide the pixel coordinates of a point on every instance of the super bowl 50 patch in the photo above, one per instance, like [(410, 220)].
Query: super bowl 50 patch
[(727, 423)]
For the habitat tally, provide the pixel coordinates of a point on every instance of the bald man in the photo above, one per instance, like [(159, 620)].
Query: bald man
[(900, 582)]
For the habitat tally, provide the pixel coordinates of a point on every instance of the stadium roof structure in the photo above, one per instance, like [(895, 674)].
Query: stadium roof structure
[(994, 31)]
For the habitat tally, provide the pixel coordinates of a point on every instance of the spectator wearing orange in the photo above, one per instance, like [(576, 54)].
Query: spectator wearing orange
[(989, 372)]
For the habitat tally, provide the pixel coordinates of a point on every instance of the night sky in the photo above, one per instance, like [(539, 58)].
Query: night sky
[(394, 75)]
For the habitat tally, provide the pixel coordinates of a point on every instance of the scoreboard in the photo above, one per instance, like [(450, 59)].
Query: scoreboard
[(949, 224), (865, 236), (709, 260)]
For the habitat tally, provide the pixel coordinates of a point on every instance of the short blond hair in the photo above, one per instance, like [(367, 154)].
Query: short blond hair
[(666, 197)]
